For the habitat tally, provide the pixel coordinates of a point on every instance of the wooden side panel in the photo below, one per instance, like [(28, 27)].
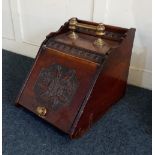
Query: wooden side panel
[(109, 87)]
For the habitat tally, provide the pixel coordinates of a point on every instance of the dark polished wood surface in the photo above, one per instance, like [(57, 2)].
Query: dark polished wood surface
[(97, 75)]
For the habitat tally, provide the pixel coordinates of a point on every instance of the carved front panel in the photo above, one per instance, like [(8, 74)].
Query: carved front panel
[(56, 86)]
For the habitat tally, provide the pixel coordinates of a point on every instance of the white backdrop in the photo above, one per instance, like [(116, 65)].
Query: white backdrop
[(27, 22)]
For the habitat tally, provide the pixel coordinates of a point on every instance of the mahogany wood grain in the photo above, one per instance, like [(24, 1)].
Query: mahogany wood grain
[(101, 74)]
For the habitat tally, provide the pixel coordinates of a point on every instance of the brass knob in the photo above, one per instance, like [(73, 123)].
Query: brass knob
[(72, 27), (72, 23), (41, 111), (100, 31)]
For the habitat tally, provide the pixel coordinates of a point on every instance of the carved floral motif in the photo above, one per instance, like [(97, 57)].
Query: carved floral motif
[(56, 86)]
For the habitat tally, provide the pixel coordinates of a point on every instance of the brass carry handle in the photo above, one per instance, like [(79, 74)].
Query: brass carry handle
[(100, 30)]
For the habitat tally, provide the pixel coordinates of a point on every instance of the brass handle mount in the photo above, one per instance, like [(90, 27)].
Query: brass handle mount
[(41, 111), (99, 30)]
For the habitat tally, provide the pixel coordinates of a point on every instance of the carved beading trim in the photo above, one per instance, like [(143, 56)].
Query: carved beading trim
[(77, 51)]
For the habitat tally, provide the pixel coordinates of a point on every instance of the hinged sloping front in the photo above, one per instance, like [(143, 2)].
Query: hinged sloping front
[(57, 87)]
